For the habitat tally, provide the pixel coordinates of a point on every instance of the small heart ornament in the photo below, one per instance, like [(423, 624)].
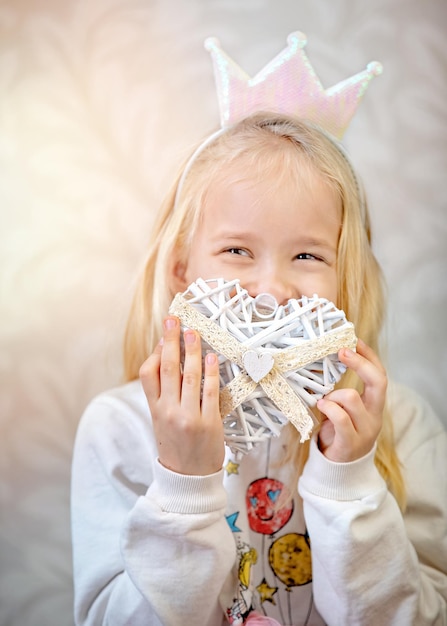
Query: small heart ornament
[(275, 361), (257, 364)]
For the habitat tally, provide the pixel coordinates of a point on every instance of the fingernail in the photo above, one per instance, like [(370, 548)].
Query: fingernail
[(190, 336), (211, 358), (170, 323), (348, 353)]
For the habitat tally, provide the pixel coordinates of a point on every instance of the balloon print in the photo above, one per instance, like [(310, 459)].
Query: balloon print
[(290, 559), (268, 506)]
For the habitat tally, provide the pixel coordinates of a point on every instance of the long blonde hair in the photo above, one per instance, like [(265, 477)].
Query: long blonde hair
[(259, 139)]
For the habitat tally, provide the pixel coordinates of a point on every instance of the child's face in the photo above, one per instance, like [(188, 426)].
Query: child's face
[(281, 239)]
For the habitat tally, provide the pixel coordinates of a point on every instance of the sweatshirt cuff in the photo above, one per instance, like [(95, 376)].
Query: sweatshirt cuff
[(180, 493), (340, 481)]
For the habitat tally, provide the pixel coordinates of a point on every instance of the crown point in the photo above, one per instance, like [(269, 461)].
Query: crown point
[(298, 38), (211, 42), (375, 68)]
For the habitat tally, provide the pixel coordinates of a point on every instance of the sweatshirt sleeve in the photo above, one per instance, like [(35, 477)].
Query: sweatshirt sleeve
[(370, 563), (149, 546)]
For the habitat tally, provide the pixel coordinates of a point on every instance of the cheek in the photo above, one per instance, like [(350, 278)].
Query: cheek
[(195, 265), (201, 268), (331, 286), (207, 266), (333, 292), (324, 286)]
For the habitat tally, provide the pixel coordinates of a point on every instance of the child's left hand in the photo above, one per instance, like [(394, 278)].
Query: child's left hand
[(354, 421)]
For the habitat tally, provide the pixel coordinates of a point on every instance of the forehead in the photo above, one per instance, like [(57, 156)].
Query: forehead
[(302, 199), (277, 168)]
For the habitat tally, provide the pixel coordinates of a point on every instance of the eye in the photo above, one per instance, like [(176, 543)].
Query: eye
[(237, 251), (306, 256)]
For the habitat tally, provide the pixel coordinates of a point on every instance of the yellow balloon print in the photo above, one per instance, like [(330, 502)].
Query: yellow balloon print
[(290, 559), (248, 559)]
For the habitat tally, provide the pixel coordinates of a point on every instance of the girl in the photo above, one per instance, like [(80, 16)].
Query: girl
[(169, 527)]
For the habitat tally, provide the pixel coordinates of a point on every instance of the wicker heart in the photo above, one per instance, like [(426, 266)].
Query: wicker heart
[(275, 361)]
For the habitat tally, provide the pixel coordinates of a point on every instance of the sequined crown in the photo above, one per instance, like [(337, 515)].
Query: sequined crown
[(288, 85)]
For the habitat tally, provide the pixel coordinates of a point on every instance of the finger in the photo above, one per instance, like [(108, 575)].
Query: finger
[(367, 371), (370, 370), (344, 443), (150, 373), (326, 434), (192, 371), (170, 378), (344, 408), (365, 350), (339, 417), (211, 386)]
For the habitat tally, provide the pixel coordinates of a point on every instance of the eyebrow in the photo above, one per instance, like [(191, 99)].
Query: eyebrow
[(314, 242), (298, 241)]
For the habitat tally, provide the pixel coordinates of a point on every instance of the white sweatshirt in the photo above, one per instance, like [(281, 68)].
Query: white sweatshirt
[(152, 547)]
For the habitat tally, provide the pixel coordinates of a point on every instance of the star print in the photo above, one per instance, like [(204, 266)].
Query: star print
[(232, 468), (266, 592), (231, 519)]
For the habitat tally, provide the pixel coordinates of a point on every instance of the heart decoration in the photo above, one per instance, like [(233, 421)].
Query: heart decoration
[(257, 365), (276, 361)]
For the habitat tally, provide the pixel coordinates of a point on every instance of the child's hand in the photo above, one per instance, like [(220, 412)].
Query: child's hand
[(188, 430), (353, 420)]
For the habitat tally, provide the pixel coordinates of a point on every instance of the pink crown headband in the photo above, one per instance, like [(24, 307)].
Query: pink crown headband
[(286, 85)]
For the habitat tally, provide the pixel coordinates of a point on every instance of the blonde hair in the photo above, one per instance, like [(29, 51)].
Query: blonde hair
[(259, 141)]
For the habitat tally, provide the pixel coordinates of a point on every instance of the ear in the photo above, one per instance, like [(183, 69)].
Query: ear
[(177, 276)]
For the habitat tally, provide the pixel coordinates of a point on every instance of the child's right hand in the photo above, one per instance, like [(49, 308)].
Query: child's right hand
[(188, 429)]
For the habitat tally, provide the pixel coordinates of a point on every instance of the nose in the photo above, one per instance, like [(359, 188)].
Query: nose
[(273, 283)]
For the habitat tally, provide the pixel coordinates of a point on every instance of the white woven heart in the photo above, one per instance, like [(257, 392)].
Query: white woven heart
[(275, 361)]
